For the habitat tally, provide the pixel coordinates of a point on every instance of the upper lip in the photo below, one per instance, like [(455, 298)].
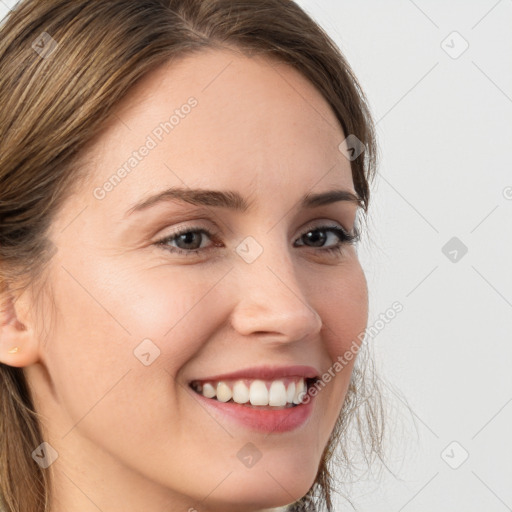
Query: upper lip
[(266, 373)]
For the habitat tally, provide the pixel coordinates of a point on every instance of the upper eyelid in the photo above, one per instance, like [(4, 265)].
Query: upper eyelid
[(312, 225)]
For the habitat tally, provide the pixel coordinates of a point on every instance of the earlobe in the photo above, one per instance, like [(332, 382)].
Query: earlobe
[(18, 346)]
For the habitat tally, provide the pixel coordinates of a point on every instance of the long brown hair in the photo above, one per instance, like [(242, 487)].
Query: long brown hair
[(64, 66)]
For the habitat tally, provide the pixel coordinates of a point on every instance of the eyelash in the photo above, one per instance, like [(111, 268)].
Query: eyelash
[(345, 239)]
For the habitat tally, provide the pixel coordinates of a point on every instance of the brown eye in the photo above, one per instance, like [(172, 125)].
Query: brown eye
[(187, 241), (312, 236), (318, 237), (190, 238)]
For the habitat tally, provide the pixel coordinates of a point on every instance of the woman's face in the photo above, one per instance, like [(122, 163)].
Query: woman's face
[(137, 321)]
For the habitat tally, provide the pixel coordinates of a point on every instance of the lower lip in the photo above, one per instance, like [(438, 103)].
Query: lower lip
[(262, 420)]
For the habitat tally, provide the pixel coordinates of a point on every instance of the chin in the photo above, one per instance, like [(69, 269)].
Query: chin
[(269, 487)]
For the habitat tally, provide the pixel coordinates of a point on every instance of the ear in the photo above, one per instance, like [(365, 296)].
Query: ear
[(18, 342)]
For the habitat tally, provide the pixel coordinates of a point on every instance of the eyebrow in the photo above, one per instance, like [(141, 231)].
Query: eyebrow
[(234, 201)]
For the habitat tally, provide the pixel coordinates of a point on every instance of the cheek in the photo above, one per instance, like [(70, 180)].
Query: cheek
[(343, 306), (106, 309), (175, 308)]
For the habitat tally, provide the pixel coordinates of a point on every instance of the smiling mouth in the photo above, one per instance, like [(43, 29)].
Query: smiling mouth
[(284, 393)]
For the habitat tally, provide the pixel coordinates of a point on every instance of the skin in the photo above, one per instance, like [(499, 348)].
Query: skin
[(132, 437)]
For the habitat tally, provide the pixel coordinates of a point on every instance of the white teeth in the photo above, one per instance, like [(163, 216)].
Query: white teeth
[(258, 393), (290, 392), (300, 390), (223, 392), (208, 390), (277, 393), (240, 392)]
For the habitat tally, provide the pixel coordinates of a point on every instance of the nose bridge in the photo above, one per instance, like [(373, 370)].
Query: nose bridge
[(271, 298)]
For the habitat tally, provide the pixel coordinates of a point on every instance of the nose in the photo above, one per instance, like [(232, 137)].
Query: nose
[(272, 302)]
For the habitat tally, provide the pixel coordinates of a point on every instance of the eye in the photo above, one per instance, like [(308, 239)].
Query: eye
[(190, 240), (342, 238)]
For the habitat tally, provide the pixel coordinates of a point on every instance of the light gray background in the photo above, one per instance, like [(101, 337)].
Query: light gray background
[(445, 135)]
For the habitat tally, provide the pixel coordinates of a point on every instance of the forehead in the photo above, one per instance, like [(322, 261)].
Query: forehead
[(219, 119)]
